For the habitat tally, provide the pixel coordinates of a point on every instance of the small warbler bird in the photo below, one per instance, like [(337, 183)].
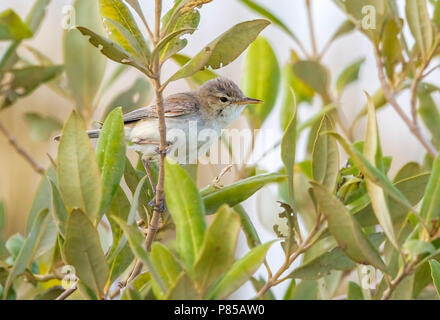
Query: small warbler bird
[(213, 107)]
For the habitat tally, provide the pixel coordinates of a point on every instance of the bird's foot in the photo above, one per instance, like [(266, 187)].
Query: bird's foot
[(160, 207), (165, 150)]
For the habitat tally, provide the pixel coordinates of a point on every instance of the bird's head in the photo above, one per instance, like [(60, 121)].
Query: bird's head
[(222, 98)]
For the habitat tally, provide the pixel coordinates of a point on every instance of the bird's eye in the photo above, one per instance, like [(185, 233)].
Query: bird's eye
[(224, 99)]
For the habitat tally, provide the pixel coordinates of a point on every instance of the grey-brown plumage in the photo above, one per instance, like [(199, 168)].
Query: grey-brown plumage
[(213, 106)]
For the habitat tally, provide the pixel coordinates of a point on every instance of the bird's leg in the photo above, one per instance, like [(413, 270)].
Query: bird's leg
[(152, 203), (166, 150), (145, 161)]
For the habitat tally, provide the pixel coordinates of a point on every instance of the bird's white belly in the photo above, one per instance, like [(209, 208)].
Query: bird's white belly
[(185, 135)]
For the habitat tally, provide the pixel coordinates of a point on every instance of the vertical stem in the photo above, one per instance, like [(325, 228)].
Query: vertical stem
[(159, 200), (311, 28), (389, 94)]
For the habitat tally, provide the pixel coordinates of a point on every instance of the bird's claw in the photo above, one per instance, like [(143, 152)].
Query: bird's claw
[(165, 150), (160, 207)]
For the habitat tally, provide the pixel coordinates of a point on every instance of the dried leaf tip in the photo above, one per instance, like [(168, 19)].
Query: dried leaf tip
[(192, 5)]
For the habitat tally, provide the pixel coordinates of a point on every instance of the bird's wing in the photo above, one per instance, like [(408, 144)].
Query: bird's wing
[(177, 105)]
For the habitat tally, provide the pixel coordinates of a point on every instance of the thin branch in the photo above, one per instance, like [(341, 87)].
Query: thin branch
[(66, 294), (311, 28), (21, 151), (306, 244), (391, 98)]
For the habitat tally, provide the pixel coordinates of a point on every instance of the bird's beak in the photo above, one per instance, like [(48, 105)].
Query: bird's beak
[(250, 101)]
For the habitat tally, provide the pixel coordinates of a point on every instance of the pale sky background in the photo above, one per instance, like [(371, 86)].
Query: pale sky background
[(217, 17)]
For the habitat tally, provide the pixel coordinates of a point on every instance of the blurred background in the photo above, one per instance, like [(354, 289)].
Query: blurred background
[(18, 181)]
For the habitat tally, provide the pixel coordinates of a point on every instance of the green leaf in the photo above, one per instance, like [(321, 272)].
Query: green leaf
[(41, 128), (223, 50), (420, 25), (110, 152), (431, 202), (239, 273), (197, 78), (248, 228), (187, 210), (33, 21), (288, 153), (58, 209), (184, 289), (415, 247), (374, 174), (334, 259), (430, 115), (136, 240), (349, 75), (345, 28), (325, 163), (120, 263), (303, 93), (435, 273), (412, 188), (134, 97), (372, 152), (411, 169), (167, 266), (392, 46), (369, 13), (122, 28), (261, 80), (313, 74), (25, 80), (78, 173), (41, 199), (346, 230), (270, 16), (217, 256), (323, 265), (85, 67), (354, 291), (188, 21), (238, 192), (28, 249), (112, 50), (12, 27), (119, 207), (83, 251)]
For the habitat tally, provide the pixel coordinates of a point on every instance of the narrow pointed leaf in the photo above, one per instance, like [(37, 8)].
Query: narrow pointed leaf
[(83, 251), (85, 66), (136, 240), (58, 209), (435, 273), (117, 11), (431, 202), (167, 266), (223, 50), (78, 172), (217, 255), (346, 230), (110, 152), (28, 249), (12, 27), (325, 164), (377, 195), (420, 25), (238, 192), (261, 80), (187, 210), (288, 152), (239, 273)]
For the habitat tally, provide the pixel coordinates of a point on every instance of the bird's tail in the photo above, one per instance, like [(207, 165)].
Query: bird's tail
[(93, 134)]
